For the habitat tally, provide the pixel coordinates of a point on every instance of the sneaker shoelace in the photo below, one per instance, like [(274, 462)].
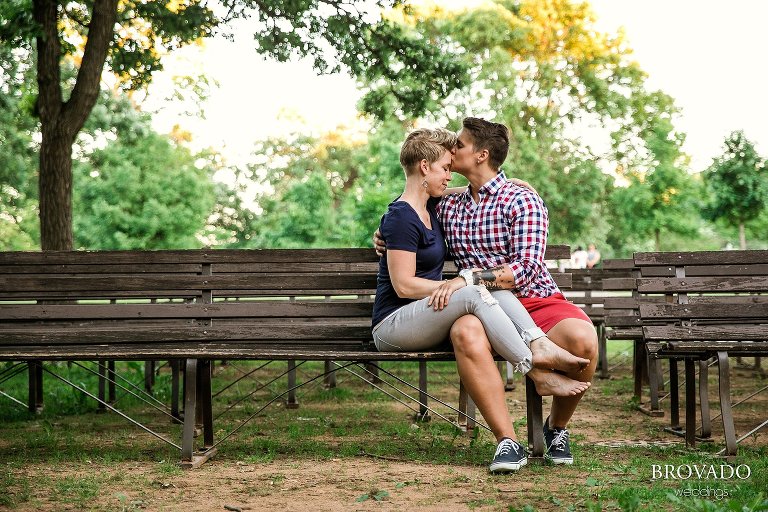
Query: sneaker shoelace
[(505, 447), (560, 440)]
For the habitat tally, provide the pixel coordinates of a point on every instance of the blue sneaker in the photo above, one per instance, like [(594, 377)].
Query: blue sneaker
[(557, 446), (510, 456)]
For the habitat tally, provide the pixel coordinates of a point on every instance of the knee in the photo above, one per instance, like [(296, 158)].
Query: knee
[(583, 341), (468, 335)]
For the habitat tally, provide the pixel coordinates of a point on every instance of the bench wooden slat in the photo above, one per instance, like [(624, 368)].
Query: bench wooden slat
[(707, 270), (190, 282), (336, 308), (703, 284), (620, 283), (614, 320), (282, 331), (159, 268), (188, 256), (625, 333), (131, 257), (735, 332), (619, 264), (682, 348), (214, 351), (701, 258), (713, 310), (580, 300)]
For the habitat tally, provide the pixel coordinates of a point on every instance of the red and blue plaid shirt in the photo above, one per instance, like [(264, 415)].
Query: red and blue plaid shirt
[(507, 226)]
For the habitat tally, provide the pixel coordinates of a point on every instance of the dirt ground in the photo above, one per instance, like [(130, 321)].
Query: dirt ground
[(368, 483)]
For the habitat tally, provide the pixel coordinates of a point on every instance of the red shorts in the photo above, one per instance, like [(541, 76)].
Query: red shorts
[(548, 311)]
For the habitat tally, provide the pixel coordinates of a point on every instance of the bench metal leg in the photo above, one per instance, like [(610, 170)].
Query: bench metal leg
[(291, 402), (423, 414), (373, 372), (725, 403), (467, 415), (35, 397), (602, 351), (507, 375), (175, 413), (690, 402), (639, 368), (149, 376), (102, 386), (535, 419), (674, 399), (111, 381), (329, 380), (205, 369), (190, 404), (651, 365), (706, 423), (197, 377)]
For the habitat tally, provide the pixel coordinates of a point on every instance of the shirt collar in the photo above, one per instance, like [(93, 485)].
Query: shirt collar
[(491, 186)]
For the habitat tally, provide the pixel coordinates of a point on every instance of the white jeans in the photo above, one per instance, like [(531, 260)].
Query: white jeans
[(417, 326)]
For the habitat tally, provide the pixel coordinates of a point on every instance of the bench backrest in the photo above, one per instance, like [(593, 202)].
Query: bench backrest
[(310, 299), (587, 289), (620, 307), (708, 296)]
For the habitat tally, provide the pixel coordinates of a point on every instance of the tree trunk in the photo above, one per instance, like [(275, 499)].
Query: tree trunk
[(55, 182), (657, 237), (742, 237), (61, 121)]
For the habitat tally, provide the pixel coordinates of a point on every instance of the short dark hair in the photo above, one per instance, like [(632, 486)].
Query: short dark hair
[(491, 136)]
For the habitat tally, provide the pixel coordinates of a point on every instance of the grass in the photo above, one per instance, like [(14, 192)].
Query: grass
[(350, 421)]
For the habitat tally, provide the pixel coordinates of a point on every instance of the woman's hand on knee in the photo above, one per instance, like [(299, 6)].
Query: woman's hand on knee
[(440, 296)]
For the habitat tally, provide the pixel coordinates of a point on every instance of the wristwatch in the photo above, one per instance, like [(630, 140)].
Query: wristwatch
[(468, 277)]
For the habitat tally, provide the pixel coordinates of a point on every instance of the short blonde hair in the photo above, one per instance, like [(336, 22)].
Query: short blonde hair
[(425, 144)]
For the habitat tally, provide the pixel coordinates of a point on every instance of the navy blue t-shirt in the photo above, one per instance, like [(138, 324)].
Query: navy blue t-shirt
[(402, 229)]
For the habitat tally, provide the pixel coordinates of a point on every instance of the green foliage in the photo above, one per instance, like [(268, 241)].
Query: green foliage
[(737, 183), (759, 504), (327, 192), (544, 70), (662, 199), (145, 193), (18, 185)]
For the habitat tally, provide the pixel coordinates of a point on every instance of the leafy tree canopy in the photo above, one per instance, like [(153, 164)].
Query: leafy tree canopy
[(737, 181), (131, 36)]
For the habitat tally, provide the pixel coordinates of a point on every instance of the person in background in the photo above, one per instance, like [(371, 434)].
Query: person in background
[(593, 256), (579, 258)]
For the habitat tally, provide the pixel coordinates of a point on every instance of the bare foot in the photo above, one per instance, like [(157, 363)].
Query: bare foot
[(550, 383), (546, 354)]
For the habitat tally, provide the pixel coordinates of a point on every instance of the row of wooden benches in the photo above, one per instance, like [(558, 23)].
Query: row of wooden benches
[(196, 306), (193, 307)]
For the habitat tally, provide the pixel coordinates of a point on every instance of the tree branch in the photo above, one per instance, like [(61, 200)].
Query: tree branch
[(101, 31)]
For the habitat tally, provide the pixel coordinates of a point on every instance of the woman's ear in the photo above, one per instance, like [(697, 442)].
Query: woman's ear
[(424, 167), (482, 156)]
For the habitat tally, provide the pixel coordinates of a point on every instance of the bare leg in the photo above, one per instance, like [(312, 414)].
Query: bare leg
[(480, 376), (579, 338)]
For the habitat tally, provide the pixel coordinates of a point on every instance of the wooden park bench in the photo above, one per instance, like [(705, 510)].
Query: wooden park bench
[(622, 322), (587, 291), (696, 306), (196, 306)]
